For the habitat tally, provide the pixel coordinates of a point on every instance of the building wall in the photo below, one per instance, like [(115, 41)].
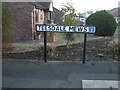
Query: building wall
[(24, 19), (57, 16), (21, 13), (116, 14), (40, 20)]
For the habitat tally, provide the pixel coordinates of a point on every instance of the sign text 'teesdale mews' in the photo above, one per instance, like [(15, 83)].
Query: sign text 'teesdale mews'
[(62, 28)]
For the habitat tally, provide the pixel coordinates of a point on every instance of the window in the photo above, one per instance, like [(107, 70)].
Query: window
[(36, 15), (41, 16), (49, 15)]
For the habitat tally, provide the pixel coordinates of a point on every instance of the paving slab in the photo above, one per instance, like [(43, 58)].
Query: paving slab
[(108, 84)]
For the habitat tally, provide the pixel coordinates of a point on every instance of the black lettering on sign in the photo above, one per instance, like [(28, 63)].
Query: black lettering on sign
[(85, 29), (64, 28), (57, 28), (53, 28), (60, 28), (45, 28), (42, 27), (80, 29), (72, 28), (49, 28)]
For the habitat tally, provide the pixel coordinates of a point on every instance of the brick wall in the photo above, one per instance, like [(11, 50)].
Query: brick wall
[(21, 12)]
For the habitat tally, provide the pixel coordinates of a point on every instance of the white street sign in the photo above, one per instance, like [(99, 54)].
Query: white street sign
[(61, 28)]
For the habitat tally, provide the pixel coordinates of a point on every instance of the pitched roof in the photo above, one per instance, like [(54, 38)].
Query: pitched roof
[(57, 15), (112, 10), (116, 13), (37, 5), (46, 5), (42, 5)]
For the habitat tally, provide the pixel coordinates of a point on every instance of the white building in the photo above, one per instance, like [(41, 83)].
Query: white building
[(116, 13), (87, 14), (83, 16)]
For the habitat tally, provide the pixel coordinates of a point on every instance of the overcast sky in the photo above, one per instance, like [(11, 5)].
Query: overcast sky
[(88, 5)]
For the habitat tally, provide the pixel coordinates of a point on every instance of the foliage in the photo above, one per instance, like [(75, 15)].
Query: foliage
[(7, 34), (69, 15), (104, 22), (6, 24), (50, 50), (118, 30), (69, 19), (116, 50)]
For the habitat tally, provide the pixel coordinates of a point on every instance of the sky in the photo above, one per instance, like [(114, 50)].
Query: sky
[(88, 5)]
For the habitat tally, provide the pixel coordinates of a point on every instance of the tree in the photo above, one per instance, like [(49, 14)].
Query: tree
[(6, 24), (104, 22), (69, 19), (7, 33)]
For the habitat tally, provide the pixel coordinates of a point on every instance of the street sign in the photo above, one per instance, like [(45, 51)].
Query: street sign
[(62, 28)]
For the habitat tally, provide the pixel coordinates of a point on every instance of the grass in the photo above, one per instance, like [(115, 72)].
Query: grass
[(118, 30)]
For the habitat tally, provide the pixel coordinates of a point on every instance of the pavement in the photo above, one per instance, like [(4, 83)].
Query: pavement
[(86, 84), (54, 74)]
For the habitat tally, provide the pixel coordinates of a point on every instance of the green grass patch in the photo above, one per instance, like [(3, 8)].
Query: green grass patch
[(118, 30)]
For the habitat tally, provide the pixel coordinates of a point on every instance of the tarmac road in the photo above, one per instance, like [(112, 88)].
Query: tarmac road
[(36, 74)]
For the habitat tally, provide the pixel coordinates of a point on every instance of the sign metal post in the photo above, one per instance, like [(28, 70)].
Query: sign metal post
[(45, 46), (84, 49)]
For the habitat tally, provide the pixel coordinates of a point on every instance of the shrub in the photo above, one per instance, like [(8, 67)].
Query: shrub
[(68, 18), (50, 50), (104, 22), (7, 33)]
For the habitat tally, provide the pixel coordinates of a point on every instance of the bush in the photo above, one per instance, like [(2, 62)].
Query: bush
[(104, 22), (68, 18), (116, 50), (7, 33), (50, 50)]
